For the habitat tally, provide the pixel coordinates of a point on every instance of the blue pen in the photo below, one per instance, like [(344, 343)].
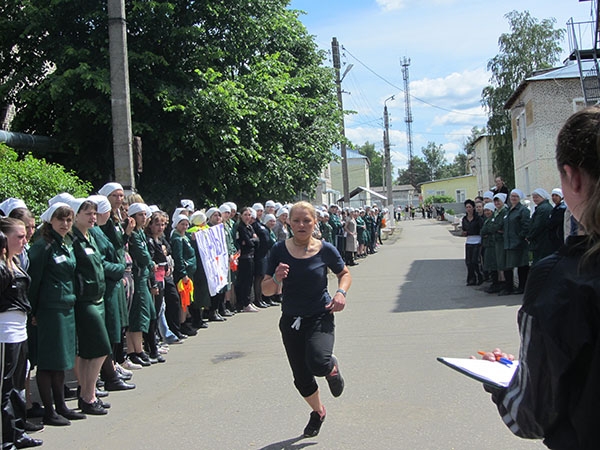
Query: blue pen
[(505, 361)]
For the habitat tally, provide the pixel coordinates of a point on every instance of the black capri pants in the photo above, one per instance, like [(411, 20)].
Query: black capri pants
[(308, 349)]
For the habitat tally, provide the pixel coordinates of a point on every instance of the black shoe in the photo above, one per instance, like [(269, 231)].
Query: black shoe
[(36, 410), (118, 385), (70, 393), (71, 414), (135, 358), (215, 317), (260, 305), (104, 404), (186, 329), (101, 394), (56, 420), (94, 409), (227, 313), (154, 359), (493, 289), (336, 382), (314, 424), (26, 441), (505, 292), (30, 427), (518, 291)]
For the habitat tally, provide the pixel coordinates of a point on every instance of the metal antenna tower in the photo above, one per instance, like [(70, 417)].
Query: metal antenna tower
[(408, 116)]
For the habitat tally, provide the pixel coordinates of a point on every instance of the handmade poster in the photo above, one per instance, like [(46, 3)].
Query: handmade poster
[(215, 260)]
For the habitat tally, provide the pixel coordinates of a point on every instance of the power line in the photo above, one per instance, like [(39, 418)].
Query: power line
[(402, 90)]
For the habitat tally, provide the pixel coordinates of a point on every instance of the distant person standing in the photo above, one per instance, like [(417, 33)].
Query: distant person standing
[(500, 187)]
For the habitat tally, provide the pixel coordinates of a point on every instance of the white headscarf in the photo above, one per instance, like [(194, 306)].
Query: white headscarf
[(12, 203), (47, 215), (542, 193), (102, 203), (500, 196), (109, 188), (63, 197), (135, 208)]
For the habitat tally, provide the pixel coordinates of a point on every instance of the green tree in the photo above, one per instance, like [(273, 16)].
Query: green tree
[(468, 144), (35, 181), (376, 163), (416, 172), (458, 167), (531, 45), (435, 157), (231, 99)]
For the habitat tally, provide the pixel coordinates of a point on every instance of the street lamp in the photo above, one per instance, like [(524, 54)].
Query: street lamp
[(387, 158)]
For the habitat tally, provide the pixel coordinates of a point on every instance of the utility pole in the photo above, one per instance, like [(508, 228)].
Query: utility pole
[(119, 86), (335, 50), (408, 118), (387, 157)]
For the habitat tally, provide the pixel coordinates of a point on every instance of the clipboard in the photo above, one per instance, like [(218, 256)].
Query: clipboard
[(493, 374)]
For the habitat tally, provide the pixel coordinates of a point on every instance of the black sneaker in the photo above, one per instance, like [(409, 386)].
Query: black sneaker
[(56, 420), (314, 423), (335, 381)]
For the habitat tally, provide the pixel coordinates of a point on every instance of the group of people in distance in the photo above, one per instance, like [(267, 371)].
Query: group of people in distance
[(102, 287), (554, 392), (502, 233)]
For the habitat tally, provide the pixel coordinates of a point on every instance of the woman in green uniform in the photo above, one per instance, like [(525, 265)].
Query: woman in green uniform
[(142, 307), (539, 230), (52, 297), (488, 243), (498, 219), (114, 269), (92, 337), (118, 229), (516, 228)]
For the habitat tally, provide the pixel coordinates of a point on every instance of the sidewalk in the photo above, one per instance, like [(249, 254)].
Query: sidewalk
[(230, 387)]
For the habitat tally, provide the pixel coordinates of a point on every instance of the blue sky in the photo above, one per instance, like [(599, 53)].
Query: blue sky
[(449, 43)]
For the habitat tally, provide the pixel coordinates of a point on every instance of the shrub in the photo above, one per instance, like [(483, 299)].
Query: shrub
[(35, 181), (439, 199)]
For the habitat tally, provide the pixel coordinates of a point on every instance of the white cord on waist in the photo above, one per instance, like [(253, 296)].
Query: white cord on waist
[(296, 324)]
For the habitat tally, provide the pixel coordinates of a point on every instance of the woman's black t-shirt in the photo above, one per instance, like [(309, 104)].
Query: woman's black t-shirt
[(305, 288)]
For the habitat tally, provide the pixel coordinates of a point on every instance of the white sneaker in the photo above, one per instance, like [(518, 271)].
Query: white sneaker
[(122, 371), (162, 350), (250, 308), (130, 365)]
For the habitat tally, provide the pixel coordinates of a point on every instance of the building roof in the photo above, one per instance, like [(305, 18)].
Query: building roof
[(350, 154), (360, 189), (446, 179), (568, 71)]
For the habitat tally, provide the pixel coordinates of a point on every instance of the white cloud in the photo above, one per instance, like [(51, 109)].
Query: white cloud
[(391, 5), (465, 84), (469, 116)]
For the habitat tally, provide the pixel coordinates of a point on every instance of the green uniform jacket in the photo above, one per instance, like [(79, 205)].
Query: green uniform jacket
[(52, 296), (52, 272), (142, 307), (539, 235), (184, 257), (516, 228), (90, 283), (116, 235), (498, 220), (115, 290), (488, 233)]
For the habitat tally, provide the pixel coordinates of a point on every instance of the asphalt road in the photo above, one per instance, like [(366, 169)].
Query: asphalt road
[(230, 387)]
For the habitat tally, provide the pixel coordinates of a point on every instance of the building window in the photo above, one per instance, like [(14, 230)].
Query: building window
[(440, 192), (521, 129), (578, 104), (461, 195)]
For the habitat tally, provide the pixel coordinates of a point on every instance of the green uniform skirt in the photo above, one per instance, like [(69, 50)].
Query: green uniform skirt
[(92, 337), (517, 258), (500, 255), (142, 306), (55, 339)]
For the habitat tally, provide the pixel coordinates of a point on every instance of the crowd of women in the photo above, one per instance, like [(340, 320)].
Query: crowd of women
[(503, 234), (107, 283)]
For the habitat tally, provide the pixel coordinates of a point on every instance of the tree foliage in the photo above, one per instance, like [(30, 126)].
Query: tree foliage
[(230, 98), (376, 163), (416, 172), (530, 45), (435, 158), (35, 181)]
